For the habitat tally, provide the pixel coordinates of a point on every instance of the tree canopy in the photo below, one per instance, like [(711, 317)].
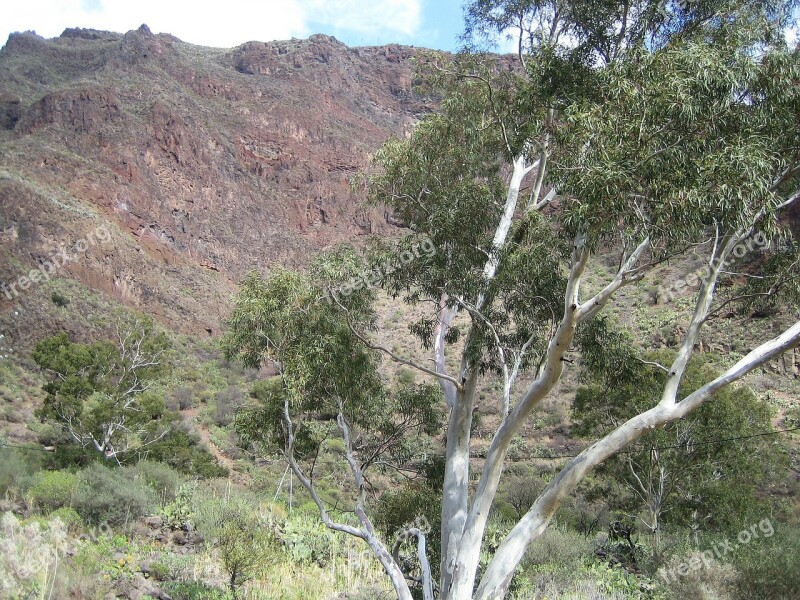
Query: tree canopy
[(637, 131), (96, 391)]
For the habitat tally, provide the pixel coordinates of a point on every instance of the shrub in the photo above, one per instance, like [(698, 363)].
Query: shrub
[(714, 580), (111, 496), (560, 547), (183, 451), (521, 492), (59, 299), (182, 398), (768, 567), (16, 471), (227, 403), (244, 544), (28, 555), (180, 512), (53, 489), (193, 590), (412, 506), (68, 516), (308, 540), (164, 480)]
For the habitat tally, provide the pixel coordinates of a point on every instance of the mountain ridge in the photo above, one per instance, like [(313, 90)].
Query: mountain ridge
[(203, 163)]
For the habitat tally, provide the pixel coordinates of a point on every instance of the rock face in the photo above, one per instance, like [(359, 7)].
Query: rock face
[(9, 110), (202, 163)]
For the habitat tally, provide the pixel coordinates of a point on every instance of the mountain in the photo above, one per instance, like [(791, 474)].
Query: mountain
[(166, 171)]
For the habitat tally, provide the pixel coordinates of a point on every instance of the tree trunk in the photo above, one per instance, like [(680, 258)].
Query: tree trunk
[(456, 479)]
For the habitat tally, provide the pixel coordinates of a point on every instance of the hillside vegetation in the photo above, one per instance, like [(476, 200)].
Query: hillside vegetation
[(274, 319)]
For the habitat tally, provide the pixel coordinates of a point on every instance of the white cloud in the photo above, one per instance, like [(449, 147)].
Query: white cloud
[(791, 35), (369, 16), (508, 41), (222, 24)]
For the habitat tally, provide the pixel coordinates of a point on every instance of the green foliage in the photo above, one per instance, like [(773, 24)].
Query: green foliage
[(768, 567), (227, 402), (53, 489), (111, 496), (245, 544), (562, 547), (521, 491), (194, 590), (326, 372), (285, 320), (180, 512), (59, 299), (68, 516), (792, 418), (164, 479), (184, 452), (308, 540), (446, 183), (17, 470), (96, 390), (718, 479), (616, 580), (672, 124)]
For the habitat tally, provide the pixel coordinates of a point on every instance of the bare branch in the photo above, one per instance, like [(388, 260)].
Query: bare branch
[(396, 357), (623, 277)]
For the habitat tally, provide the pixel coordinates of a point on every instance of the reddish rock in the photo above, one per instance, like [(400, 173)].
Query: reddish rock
[(204, 164)]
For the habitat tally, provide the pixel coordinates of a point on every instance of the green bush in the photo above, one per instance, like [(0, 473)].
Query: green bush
[(161, 477), (183, 451), (180, 512), (412, 506), (17, 469), (193, 590), (227, 403), (245, 545), (111, 496), (768, 567), (71, 519), (560, 547), (59, 299), (308, 540), (182, 398), (53, 489)]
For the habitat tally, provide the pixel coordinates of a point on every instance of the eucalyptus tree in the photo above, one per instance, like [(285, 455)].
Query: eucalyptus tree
[(643, 129), (676, 474), (328, 385), (96, 392)]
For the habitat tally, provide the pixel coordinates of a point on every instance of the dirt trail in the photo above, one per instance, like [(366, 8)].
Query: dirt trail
[(191, 415)]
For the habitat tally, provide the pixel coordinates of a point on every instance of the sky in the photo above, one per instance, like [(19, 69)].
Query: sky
[(426, 23)]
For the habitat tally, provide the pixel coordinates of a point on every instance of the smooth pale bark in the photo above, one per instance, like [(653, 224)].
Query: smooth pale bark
[(425, 567), (366, 532), (500, 571), (521, 169), (456, 477), (705, 298), (446, 316), (468, 555)]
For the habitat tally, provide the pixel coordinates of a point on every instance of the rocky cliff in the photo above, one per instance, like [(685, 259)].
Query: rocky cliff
[(200, 164)]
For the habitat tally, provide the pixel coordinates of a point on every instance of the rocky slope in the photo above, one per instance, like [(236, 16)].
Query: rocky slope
[(200, 164)]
